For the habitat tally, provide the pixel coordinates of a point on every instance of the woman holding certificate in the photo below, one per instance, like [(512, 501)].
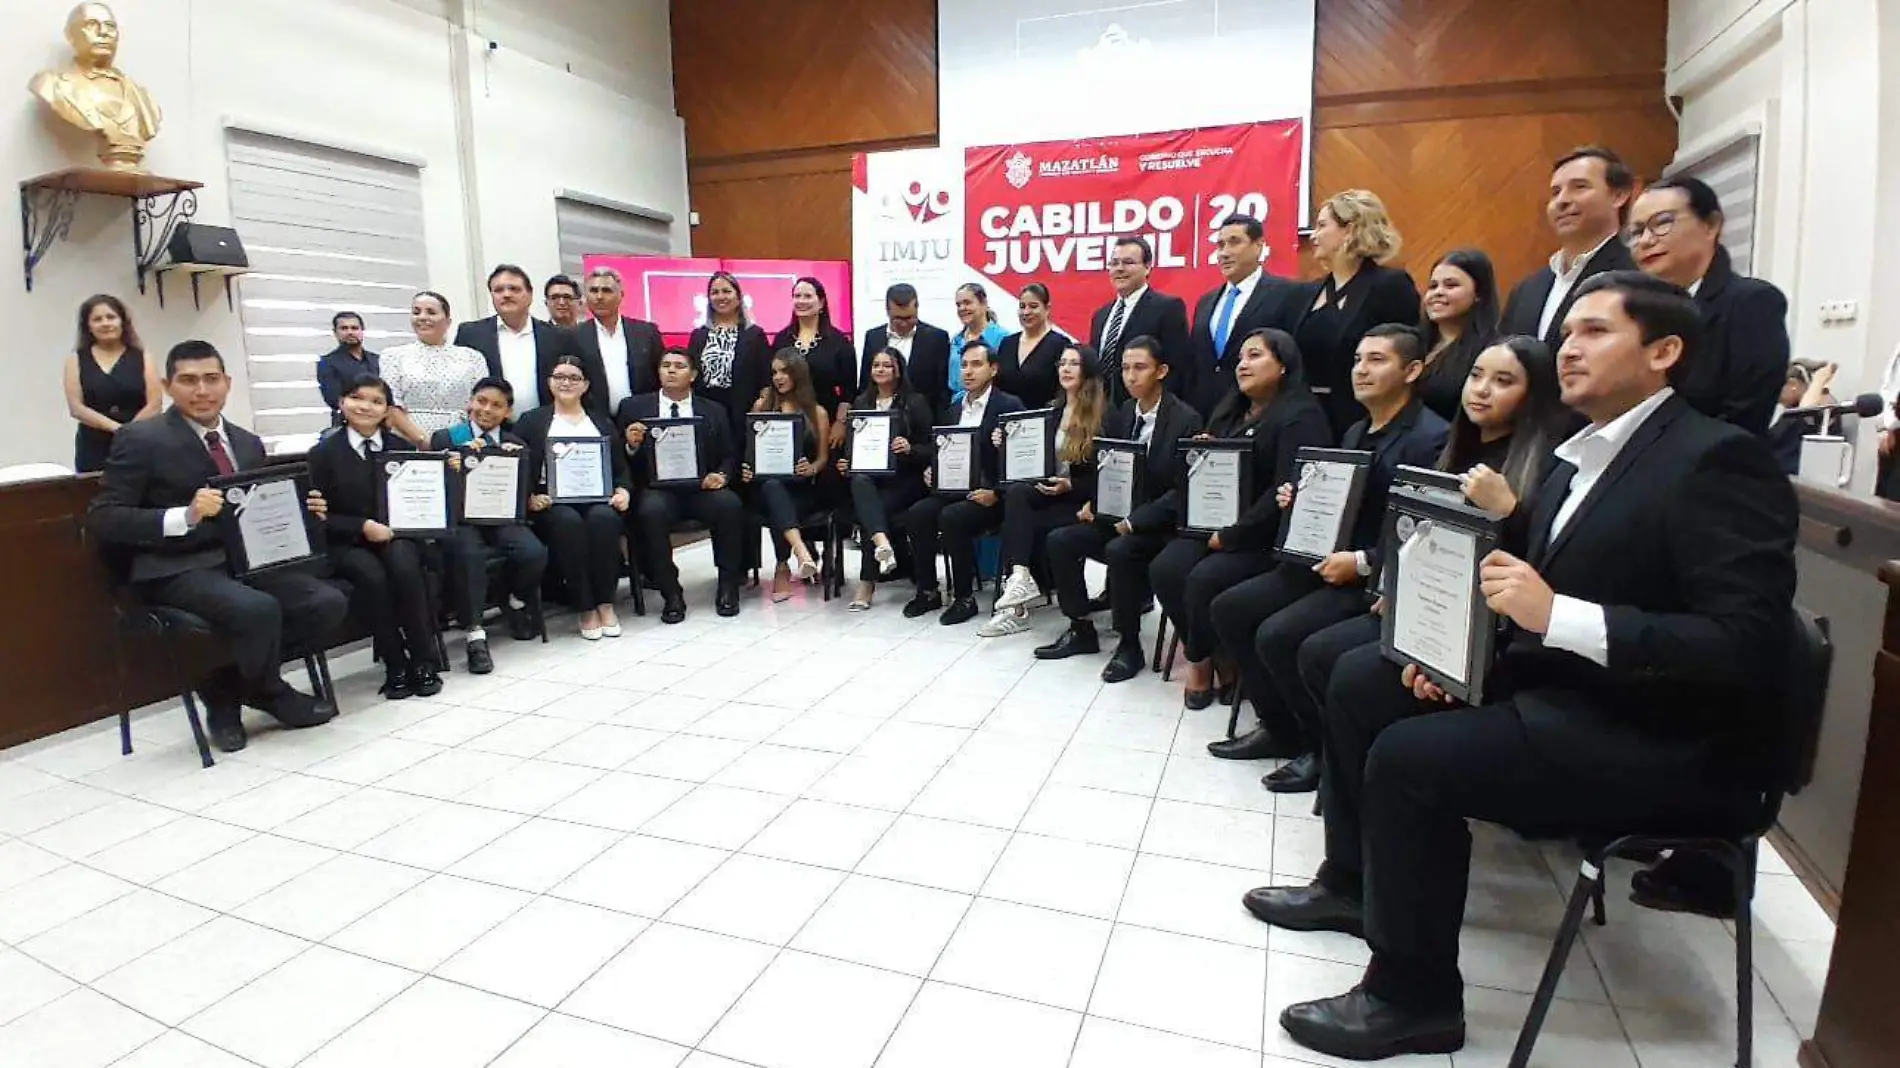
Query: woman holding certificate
[(785, 494), (1026, 361), (827, 351), (429, 378), (1276, 415), (876, 497), (1033, 510), (388, 589), (732, 352), (582, 487)]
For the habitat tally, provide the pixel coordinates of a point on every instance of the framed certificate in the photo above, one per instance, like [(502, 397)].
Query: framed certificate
[(1120, 474), (672, 452), (494, 487), (266, 523), (1218, 473), (1441, 486), (870, 442), (774, 444), (579, 471), (416, 494), (1327, 486), (1029, 445), (1435, 615), (956, 470)]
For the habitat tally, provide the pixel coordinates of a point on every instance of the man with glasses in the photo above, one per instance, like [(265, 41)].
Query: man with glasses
[(1138, 311), (925, 348), (1590, 193), (626, 349), (563, 299)]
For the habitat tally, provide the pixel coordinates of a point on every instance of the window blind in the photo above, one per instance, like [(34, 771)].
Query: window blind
[(590, 229), (1734, 172)]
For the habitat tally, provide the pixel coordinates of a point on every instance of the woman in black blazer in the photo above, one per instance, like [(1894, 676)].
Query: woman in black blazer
[(388, 588), (1026, 360), (827, 351), (583, 539), (875, 498), (1352, 238), (733, 353)]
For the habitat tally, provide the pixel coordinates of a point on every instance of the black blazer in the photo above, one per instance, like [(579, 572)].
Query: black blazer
[(834, 367), (1375, 296), (713, 436), (644, 346), (157, 465), (1157, 314), (1414, 438), (533, 427), (1736, 371), (989, 458), (1278, 434), (751, 369), (1207, 376), (1032, 377), (348, 483), (1526, 303), (915, 419), (336, 369), (550, 343), (928, 370), (1158, 512), (1687, 541)]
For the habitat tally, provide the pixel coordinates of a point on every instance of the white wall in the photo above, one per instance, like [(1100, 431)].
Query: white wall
[(498, 131)]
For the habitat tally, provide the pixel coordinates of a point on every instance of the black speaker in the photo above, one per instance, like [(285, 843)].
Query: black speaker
[(210, 246)]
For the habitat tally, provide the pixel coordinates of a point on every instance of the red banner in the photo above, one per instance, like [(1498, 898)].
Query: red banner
[(1051, 212)]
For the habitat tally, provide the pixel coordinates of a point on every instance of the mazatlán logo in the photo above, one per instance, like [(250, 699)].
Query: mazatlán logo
[(1017, 170)]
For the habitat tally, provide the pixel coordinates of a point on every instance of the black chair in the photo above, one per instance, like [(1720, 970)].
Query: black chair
[(818, 527), (1804, 680)]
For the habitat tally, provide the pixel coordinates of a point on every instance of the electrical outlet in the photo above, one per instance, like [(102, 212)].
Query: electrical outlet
[(1839, 311)]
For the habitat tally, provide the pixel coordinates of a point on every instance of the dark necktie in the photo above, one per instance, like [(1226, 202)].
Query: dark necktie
[(1111, 340), (219, 458), (676, 409)]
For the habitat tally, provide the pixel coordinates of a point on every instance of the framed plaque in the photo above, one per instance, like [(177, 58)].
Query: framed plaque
[(416, 493), (958, 466), (1217, 477), (494, 490), (1435, 615), (1028, 451), (266, 523), (580, 470), (1441, 486), (1120, 475), (774, 443), (869, 447), (672, 452), (1328, 484)]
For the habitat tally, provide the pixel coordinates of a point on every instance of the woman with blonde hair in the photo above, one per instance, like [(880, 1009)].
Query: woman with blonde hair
[(1354, 240)]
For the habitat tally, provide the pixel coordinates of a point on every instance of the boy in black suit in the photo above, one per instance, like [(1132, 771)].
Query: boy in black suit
[(490, 406), (153, 502), (1635, 690)]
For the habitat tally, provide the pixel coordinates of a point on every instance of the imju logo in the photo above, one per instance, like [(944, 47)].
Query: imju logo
[(1018, 169), (924, 204)]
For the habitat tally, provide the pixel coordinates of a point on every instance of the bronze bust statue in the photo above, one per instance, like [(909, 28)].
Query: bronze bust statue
[(96, 96)]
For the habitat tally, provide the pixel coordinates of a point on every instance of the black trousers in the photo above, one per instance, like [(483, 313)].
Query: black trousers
[(1187, 576), (955, 523), (257, 620), (584, 542), (1128, 557), (1402, 777), (1279, 638), (1237, 614), (783, 501), (872, 503), (525, 560), (1030, 516), (1320, 653), (389, 592), (659, 508)]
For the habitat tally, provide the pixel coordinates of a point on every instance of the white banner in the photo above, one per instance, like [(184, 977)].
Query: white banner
[(907, 226)]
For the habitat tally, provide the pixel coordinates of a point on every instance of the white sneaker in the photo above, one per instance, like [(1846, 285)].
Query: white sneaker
[(1019, 590), (1005, 622)]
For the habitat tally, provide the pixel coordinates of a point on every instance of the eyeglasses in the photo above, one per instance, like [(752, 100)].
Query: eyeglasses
[(1657, 225), (565, 298), (566, 378)]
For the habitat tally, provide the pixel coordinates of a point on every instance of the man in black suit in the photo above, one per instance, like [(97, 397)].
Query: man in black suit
[(1590, 193), (1634, 691), (1127, 544), (1137, 311), (712, 502), (153, 503), (344, 364), (626, 349), (957, 522), (521, 348), (1247, 299), (925, 348)]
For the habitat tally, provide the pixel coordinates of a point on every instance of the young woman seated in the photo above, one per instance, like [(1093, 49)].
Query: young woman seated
[(582, 538), (784, 499), (875, 498)]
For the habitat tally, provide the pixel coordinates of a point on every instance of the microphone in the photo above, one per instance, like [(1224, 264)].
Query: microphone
[(1866, 406)]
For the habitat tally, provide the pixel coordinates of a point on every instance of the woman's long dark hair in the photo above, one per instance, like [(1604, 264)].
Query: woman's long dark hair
[(801, 397), (1091, 405), (1535, 431), (126, 334), (1293, 391), (824, 310), (900, 389), (1481, 323), (738, 292)]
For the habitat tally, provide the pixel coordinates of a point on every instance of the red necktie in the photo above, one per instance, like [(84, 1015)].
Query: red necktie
[(219, 458)]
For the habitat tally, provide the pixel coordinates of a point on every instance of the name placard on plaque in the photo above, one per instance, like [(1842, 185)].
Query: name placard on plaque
[(1328, 484), (672, 449), (416, 497), (579, 471), (1435, 614), (956, 470), (1218, 477), (871, 432), (773, 443), (266, 521), (1029, 445), (494, 487), (1120, 476)]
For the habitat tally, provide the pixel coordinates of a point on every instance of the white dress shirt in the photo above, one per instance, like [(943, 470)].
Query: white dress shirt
[(901, 344), (177, 521), (613, 353), (668, 404), (973, 408), (1145, 421), (1128, 310), (1567, 278), (518, 363), (1578, 626), (358, 443)]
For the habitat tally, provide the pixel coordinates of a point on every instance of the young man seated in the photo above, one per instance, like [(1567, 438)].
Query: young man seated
[(711, 502), (525, 559), (153, 502), (1635, 691), (1157, 419)]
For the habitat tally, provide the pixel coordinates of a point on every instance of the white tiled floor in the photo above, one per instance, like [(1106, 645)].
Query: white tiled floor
[(798, 839)]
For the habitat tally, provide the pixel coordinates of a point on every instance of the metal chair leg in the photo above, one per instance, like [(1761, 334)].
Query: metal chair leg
[(1161, 640), (1167, 665), (1745, 956), (323, 671), (125, 734), (539, 613), (310, 672), (1597, 914), (1233, 712), (1589, 881), (197, 729)]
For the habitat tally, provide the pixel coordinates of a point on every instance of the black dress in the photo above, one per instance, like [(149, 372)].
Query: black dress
[(117, 394), (1031, 375)]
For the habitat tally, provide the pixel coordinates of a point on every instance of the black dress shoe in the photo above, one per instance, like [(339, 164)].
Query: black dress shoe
[(479, 660), (674, 610), (424, 680), (961, 610), (520, 627), (1359, 1027), (296, 710), (1298, 776), (924, 603), (1079, 639), (1306, 908), (1125, 664), (1196, 700), (396, 684), (1098, 603), (726, 602), (1256, 744), (226, 731), (1686, 882)]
